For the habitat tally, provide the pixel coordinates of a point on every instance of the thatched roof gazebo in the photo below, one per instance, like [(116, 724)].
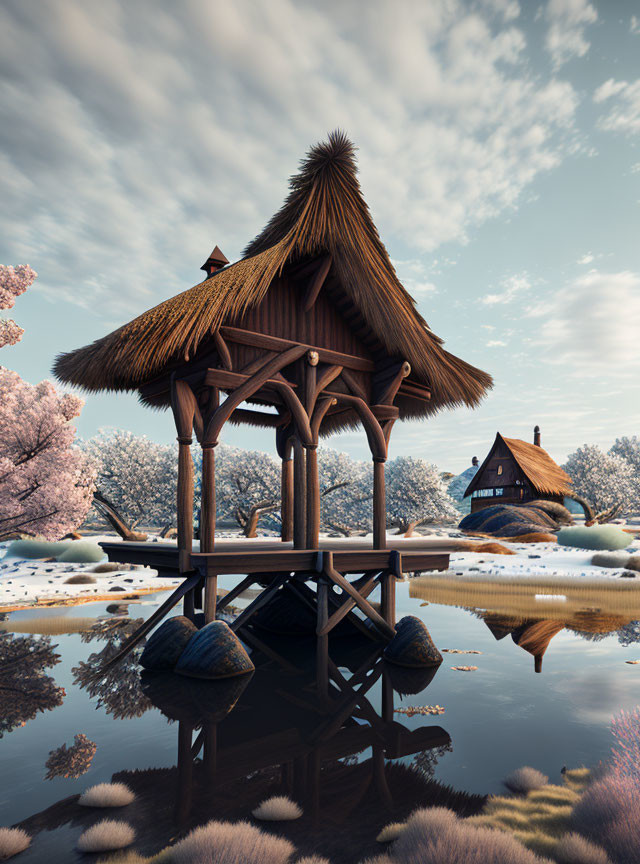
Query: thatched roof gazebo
[(311, 322)]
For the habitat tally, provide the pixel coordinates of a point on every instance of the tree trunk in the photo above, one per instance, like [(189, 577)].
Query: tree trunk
[(250, 526), (109, 512), (589, 514)]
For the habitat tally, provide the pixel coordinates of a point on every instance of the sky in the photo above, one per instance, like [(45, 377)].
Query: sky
[(498, 149)]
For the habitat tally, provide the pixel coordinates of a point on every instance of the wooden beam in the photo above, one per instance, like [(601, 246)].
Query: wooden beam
[(299, 495), (354, 386), (316, 283), (325, 378), (299, 415), (379, 506), (415, 391), (259, 602), (346, 607), (231, 380), (386, 386), (274, 343), (223, 351), (361, 603), (247, 389), (375, 437)]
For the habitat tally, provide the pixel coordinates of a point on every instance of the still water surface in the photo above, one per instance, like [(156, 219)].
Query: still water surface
[(272, 732)]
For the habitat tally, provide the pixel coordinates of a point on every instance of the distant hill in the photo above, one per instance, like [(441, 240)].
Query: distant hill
[(458, 486)]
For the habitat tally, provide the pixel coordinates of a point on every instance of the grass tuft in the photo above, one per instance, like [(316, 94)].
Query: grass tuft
[(436, 835), (575, 849), (525, 779), (12, 841), (231, 843), (391, 832), (106, 835), (107, 795), (277, 809)]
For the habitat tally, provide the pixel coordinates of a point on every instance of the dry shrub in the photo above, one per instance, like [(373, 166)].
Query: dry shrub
[(107, 795), (80, 579), (391, 832), (534, 537), (110, 567), (379, 859), (604, 802), (574, 849), (231, 843), (491, 549), (525, 779), (132, 857), (277, 809), (12, 841), (313, 859), (106, 835), (436, 835), (622, 836)]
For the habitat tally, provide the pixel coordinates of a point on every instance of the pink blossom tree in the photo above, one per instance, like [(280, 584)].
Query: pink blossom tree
[(14, 281), (46, 483)]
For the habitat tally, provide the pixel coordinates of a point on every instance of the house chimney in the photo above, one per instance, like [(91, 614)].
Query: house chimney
[(536, 436), (214, 262), (474, 461)]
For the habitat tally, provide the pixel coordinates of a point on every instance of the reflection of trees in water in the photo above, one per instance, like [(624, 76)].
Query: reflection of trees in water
[(630, 633), (426, 760), (25, 689), (118, 690), (71, 761)]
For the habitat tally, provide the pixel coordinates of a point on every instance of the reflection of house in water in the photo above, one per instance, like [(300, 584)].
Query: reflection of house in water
[(533, 610), (515, 472)]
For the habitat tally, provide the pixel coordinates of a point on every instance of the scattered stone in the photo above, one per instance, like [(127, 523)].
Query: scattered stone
[(412, 645), (633, 563), (166, 644), (422, 710), (613, 560), (534, 556), (460, 651), (214, 652), (627, 574), (109, 567), (127, 580), (117, 588), (80, 579)]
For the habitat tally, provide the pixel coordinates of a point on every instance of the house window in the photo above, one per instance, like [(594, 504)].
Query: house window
[(499, 469), (499, 491)]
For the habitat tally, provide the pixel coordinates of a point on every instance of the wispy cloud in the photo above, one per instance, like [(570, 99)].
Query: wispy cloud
[(623, 97), (587, 258), (512, 287), (137, 135), (591, 325), (496, 343), (567, 22)]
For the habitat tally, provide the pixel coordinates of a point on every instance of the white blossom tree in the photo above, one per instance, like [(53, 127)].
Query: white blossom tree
[(416, 495), (247, 487), (136, 479), (607, 481), (346, 493), (629, 449)]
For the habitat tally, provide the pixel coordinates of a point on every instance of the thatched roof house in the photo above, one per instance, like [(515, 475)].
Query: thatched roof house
[(318, 275), (515, 472)]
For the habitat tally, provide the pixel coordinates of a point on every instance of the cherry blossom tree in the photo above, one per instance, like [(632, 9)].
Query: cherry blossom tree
[(14, 281), (416, 495), (46, 483), (137, 480), (607, 481)]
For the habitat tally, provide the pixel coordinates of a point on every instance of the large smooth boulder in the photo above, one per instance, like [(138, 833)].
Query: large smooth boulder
[(412, 645), (214, 652), (166, 644), (509, 520)]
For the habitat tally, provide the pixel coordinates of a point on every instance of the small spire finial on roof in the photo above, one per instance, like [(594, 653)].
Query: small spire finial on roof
[(536, 436), (216, 261)]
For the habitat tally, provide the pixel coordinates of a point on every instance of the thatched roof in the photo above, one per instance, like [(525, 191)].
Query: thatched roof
[(324, 213), (541, 471)]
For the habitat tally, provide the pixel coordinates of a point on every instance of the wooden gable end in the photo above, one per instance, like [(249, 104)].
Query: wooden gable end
[(500, 469)]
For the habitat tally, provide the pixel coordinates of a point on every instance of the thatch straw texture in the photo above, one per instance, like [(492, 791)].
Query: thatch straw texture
[(324, 213)]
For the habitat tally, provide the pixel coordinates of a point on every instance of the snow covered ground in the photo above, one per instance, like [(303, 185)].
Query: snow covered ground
[(31, 582), (25, 583)]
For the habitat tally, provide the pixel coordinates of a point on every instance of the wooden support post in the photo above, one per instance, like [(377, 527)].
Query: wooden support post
[(286, 499), (313, 499), (299, 495), (379, 506), (185, 773), (210, 750), (208, 529), (322, 639), (387, 697), (184, 406)]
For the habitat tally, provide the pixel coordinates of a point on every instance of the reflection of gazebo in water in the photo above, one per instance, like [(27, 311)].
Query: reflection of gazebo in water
[(312, 326)]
